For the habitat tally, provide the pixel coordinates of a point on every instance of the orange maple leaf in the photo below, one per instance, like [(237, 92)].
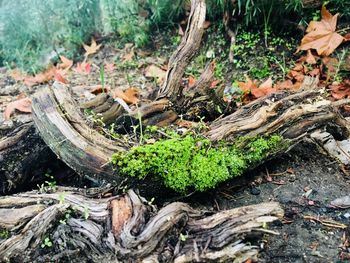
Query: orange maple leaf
[(256, 90), (58, 75), (92, 49), (66, 63), (130, 95), (322, 35), (23, 105), (40, 78), (83, 68)]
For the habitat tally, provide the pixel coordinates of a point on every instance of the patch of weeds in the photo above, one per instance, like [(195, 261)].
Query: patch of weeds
[(127, 65), (4, 234), (49, 185), (261, 71), (67, 215), (190, 162), (219, 70)]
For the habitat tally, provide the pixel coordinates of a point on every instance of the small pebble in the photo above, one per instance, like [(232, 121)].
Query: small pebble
[(347, 215), (255, 191)]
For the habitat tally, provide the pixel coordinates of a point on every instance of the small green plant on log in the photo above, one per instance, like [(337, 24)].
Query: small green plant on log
[(194, 163)]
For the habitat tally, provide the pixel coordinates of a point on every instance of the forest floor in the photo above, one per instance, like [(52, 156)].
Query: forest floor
[(304, 180)]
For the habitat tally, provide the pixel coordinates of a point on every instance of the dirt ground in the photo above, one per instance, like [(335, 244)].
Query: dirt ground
[(288, 180)]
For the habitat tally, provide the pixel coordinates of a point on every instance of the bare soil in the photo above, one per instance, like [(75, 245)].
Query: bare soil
[(293, 175)]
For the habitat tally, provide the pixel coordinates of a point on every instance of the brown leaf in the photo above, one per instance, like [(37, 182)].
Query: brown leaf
[(23, 105), (130, 95), (58, 75), (340, 91), (152, 71), (191, 81), (129, 56), (248, 85), (310, 59), (92, 49), (331, 64), (215, 83), (287, 85), (296, 75), (347, 37), (264, 89), (322, 35), (40, 78), (257, 91), (315, 72), (97, 89), (66, 63)]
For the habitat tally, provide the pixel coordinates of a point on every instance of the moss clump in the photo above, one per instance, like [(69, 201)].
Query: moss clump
[(193, 163)]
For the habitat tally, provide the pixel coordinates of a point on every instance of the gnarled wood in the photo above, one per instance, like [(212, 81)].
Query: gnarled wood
[(182, 56), (144, 232), (65, 131)]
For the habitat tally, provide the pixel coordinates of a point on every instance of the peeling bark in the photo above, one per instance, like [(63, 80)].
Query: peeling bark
[(140, 233)]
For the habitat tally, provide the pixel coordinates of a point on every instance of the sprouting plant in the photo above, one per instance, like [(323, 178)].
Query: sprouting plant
[(183, 237), (86, 212), (341, 59), (102, 77), (67, 215), (46, 243), (48, 186), (4, 234), (61, 198)]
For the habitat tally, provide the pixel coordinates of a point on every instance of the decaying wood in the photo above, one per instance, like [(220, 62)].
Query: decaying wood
[(127, 228), (64, 129), (289, 115), (189, 45), (24, 158)]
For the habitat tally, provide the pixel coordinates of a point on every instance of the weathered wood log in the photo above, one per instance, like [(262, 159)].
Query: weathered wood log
[(126, 228), (291, 115), (180, 59)]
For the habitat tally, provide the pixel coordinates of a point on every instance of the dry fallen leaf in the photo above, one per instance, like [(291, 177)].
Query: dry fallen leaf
[(152, 71), (191, 81), (17, 75), (66, 63), (92, 49), (40, 78), (97, 89), (129, 56), (287, 85), (110, 67), (23, 105), (58, 75), (340, 91), (251, 86), (83, 68), (322, 35), (130, 95)]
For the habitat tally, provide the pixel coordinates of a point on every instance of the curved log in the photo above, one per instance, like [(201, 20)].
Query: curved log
[(66, 132), (126, 228), (289, 115), (179, 60)]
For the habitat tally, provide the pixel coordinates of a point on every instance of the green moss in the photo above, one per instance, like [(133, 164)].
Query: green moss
[(194, 163)]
